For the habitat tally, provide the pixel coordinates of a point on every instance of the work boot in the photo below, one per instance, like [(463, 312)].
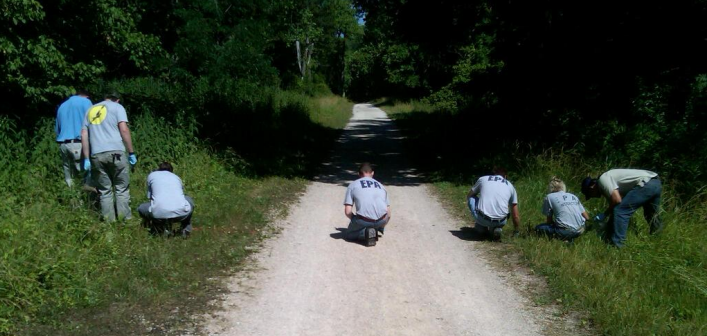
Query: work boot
[(497, 233), (371, 236)]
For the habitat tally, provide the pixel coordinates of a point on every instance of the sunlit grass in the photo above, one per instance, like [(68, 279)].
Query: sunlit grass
[(329, 111), (63, 271), (656, 285), (393, 106)]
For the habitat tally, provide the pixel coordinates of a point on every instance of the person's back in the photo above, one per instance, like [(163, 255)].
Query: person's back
[(566, 210), (369, 197), (495, 195), (70, 116), (372, 206), (102, 123), (69, 120), (623, 180), (491, 200), (105, 132), (166, 193)]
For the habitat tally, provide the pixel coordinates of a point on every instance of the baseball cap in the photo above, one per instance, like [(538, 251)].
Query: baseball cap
[(586, 183)]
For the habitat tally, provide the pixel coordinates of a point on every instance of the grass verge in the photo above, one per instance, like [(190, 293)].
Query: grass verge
[(657, 285), (63, 272)]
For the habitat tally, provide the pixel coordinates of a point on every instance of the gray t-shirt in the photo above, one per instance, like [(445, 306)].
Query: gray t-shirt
[(101, 121), (369, 196), (166, 194), (566, 210), (624, 180), (495, 194)]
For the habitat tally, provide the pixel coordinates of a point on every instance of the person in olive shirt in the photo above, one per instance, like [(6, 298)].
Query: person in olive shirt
[(626, 190)]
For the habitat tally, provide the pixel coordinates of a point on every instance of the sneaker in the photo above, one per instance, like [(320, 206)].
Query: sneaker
[(371, 237), (380, 233), (497, 233)]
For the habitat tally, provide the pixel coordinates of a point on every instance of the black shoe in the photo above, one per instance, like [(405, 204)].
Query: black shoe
[(497, 232), (371, 236)]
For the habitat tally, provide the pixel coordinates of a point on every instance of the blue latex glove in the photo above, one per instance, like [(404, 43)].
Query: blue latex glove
[(132, 158), (86, 164), (600, 217)]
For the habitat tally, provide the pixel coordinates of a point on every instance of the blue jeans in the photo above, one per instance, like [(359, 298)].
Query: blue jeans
[(483, 224), (358, 226), (552, 230), (647, 197)]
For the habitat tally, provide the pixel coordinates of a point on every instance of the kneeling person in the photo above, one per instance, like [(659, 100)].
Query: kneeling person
[(491, 200), (167, 200), (372, 207), (565, 214)]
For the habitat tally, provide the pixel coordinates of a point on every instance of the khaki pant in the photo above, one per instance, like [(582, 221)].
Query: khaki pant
[(71, 161), (111, 170)]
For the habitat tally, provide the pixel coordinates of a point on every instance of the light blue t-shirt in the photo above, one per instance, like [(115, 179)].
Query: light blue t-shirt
[(566, 210), (496, 195), (369, 196), (69, 118), (101, 121), (166, 194)]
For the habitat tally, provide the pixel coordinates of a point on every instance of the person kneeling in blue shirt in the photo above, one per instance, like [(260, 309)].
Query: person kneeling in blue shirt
[(167, 204), (565, 214)]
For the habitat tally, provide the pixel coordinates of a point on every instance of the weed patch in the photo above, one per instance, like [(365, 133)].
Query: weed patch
[(64, 272)]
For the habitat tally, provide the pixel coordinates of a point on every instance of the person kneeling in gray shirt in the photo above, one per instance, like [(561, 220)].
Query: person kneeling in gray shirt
[(565, 214), (167, 204), (372, 207)]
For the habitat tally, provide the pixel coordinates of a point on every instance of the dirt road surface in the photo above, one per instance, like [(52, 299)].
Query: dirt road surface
[(420, 279)]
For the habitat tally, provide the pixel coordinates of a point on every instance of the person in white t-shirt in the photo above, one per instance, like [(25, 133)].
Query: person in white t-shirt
[(168, 203), (565, 214), (491, 200), (626, 190), (372, 207)]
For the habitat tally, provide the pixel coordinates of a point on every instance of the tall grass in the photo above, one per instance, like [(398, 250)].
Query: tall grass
[(394, 106), (656, 285), (63, 271)]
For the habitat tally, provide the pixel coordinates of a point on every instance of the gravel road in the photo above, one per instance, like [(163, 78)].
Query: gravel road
[(420, 279)]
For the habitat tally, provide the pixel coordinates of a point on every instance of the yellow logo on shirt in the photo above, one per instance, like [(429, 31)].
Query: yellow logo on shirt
[(97, 114)]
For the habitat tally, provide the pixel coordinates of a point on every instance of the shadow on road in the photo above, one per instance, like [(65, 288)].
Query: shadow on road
[(469, 234), (341, 234), (369, 137)]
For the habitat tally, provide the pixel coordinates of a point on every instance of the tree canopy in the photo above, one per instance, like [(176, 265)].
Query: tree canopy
[(622, 79), (48, 49)]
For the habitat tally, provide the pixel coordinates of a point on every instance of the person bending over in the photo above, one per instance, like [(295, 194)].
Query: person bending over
[(626, 190), (167, 204), (490, 201)]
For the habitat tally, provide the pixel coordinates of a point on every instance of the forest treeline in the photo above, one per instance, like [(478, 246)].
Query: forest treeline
[(623, 82), (209, 58)]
